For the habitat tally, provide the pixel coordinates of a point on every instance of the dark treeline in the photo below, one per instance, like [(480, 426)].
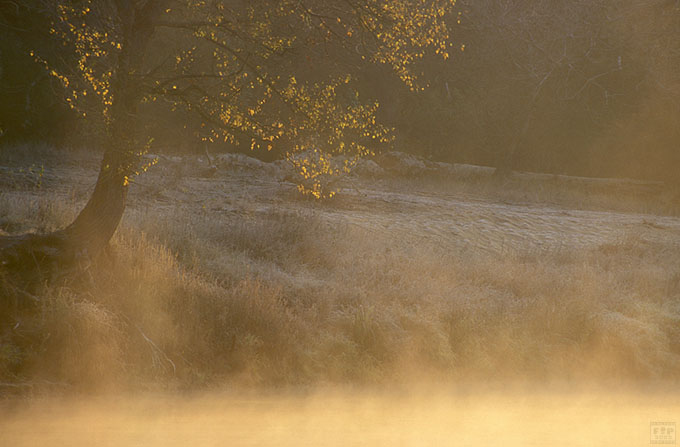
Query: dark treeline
[(560, 86)]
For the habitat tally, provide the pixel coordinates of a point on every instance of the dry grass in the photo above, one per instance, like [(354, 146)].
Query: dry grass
[(285, 298), (271, 298)]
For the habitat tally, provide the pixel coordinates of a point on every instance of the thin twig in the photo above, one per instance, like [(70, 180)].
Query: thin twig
[(155, 350)]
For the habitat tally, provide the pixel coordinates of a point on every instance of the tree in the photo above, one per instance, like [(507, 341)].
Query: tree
[(259, 73), (584, 88), (646, 141), (547, 74)]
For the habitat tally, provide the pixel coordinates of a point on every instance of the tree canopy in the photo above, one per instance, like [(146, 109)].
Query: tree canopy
[(262, 74)]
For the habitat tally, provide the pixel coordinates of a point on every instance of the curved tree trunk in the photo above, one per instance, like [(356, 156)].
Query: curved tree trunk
[(33, 258), (98, 220)]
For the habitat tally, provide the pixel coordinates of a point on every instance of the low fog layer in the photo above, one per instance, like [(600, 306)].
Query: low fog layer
[(332, 418)]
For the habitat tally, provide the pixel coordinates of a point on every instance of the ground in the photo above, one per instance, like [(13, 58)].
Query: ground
[(416, 276)]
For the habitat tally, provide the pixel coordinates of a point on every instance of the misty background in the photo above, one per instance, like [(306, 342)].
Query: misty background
[(566, 87)]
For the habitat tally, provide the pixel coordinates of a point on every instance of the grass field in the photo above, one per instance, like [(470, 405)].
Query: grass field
[(233, 282)]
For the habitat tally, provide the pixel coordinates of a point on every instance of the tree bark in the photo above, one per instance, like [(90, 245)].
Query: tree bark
[(34, 258)]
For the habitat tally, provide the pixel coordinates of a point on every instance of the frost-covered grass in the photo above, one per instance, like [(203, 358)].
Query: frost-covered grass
[(287, 298), (287, 295)]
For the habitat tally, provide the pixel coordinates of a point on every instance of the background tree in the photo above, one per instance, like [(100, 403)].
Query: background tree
[(646, 142), (536, 82), (580, 88)]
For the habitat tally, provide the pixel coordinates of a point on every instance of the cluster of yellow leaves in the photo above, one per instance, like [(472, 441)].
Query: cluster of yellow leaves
[(136, 170), (90, 45), (349, 132), (405, 30), (327, 135)]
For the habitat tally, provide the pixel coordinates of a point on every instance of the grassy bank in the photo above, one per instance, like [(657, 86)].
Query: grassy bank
[(275, 298)]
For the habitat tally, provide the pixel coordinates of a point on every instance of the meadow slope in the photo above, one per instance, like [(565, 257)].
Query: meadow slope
[(419, 272)]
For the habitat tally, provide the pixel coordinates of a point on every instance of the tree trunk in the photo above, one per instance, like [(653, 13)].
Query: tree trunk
[(33, 258), (98, 220)]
